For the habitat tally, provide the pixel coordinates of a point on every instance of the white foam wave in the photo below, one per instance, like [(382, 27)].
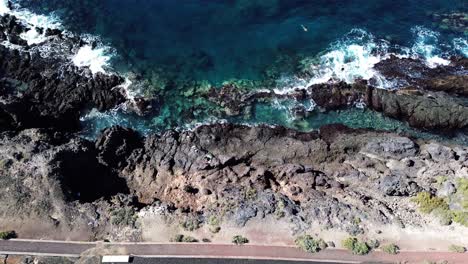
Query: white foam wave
[(97, 59), (350, 59), (427, 46), (354, 56), (4, 9), (461, 45), (32, 21)]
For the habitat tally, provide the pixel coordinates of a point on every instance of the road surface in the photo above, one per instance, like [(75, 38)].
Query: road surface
[(214, 251), (219, 261)]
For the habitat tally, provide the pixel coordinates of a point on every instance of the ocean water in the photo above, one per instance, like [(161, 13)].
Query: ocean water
[(180, 48)]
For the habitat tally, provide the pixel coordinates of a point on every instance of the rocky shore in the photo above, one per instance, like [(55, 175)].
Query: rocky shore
[(338, 178)]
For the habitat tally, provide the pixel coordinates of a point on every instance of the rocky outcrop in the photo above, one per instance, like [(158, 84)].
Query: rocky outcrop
[(331, 177), (430, 98), (420, 108), (452, 84), (48, 91), (428, 110), (415, 72), (116, 144), (55, 181)]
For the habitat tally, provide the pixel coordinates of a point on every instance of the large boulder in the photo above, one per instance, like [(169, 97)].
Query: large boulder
[(391, 147), (398, 185), (433, 111)]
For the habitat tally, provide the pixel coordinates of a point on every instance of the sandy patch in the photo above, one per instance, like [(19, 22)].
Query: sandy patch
[(271, 231)]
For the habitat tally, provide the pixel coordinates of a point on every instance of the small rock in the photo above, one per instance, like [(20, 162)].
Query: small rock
[(439, 153), (446, 189)]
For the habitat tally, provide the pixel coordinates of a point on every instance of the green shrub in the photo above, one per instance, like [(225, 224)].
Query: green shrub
[(441, 180), (355, 246), (189, 239), (124, 216), (279, 212), (428, 203), (361, 248), (462, 191), (390, 249), (445, 216), (250, 193), (357, 220), (181, 238), (190, 224), (309, 244), (460, 217), (177, 238), (213, 221), (457, 249), (239, 240), (7, 235), (349, 242)]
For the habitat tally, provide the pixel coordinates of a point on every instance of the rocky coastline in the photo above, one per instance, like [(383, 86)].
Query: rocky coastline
[(337, 177)]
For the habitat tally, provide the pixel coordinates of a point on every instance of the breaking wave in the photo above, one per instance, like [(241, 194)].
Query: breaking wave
[(95, 57), (354, 56)]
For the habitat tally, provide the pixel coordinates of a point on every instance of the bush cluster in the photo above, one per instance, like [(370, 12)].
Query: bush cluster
[(390, 249), (428, 203), (214, 223), (457, 249), (309, 244), (239, 240), (186, 239), (191, 224), (355, 246), (124, 217), (7, 235), (432, 204)]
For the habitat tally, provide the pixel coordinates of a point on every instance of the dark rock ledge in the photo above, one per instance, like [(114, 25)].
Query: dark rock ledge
[(331, 177), (436, 100), (48, 91)]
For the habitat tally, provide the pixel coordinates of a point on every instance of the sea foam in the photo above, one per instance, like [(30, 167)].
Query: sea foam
[(354, 56), (427, 46), (97, 59), (31, 20), (350, 58), (461, 45)]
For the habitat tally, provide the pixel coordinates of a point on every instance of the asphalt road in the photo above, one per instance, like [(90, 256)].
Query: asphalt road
[(201, 253), (219, 261)]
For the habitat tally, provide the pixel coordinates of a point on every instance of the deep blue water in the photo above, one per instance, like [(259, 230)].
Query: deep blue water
[(178, 46), (218, 40)]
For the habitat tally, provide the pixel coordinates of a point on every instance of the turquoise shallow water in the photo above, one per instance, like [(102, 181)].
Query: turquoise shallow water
[(182, 47)]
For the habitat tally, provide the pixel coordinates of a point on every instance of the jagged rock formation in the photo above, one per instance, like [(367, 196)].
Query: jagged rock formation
[(331, 177), (433, 99), (48, 91)]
